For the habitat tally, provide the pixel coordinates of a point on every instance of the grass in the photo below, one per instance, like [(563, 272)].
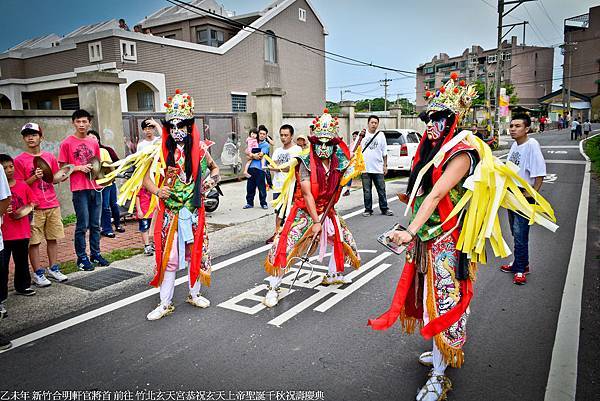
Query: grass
[(69, 219), (592, 149), (113, 256)]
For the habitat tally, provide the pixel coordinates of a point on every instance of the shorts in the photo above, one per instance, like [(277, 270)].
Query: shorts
[(46, 224), (144, 225)]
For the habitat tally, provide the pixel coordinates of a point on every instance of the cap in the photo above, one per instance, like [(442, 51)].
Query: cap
[(31, 127), (302, 136)]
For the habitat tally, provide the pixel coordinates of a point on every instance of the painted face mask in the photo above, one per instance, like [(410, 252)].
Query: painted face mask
[(436, 127), (323, 151), (177, 131)]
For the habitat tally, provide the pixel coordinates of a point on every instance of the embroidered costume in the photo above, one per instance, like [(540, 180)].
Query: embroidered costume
[(436, 285), (327, 166)]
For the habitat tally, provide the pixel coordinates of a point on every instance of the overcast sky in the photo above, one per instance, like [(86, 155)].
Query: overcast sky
[(400, 34)]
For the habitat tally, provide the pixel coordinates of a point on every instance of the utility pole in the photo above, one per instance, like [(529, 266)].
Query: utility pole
[(499, 64), (567, 49), (385, 84)]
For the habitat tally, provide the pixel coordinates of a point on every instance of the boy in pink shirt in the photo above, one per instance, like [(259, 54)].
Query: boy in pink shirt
[(47, 221), (78, 150), (16, 233)]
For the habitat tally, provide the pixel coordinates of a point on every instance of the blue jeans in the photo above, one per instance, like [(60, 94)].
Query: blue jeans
[(256, 180), (110, 209), (367, 180), (519, 227), (87, 204)]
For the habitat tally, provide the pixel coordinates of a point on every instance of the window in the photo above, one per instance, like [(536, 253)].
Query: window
[(270, 47), (491, 58), (128, 51), (44, 105), (145, 101), (95, 52), (302, 14), (238, 103), (170, 36), (428, 70), (413, 137), (506, 56), (68, 102), (210, 37), (394, 138)]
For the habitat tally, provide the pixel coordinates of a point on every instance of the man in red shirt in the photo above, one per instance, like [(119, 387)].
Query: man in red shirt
[(47, 222), (78, 149)]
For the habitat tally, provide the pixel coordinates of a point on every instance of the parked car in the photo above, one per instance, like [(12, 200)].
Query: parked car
[(401, 148)]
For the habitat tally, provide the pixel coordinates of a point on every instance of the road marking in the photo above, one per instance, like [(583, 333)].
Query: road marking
[(558, 152), (583, 162), (55, 328), (550, 178), (562, 378), (559, 147)]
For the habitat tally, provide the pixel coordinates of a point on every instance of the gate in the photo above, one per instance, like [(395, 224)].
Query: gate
[(220, 128)]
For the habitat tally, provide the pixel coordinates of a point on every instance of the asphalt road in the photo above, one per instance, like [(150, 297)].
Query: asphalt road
[(317, 338)]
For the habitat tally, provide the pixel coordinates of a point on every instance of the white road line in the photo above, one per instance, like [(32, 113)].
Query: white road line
[(55, 328), (565, 161), (503, 156), (559, 147), (562, 378)]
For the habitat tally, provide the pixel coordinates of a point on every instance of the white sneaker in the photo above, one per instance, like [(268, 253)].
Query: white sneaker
[(198, 301), (328, 280), (339, 278), (426, 358), (39, 279), (160, 311), (55, 273), (435, 389), (272, 298)]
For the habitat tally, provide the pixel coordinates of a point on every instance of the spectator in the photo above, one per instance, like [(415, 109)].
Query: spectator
[(281, 156), (257, 173), (147, 31), (78, 149), (265, 131), (4, 204), (574, 126), (542, 123), (587, 128), (137, 28), (15, 233), (578, 129), (349, 185), (251, 143), (110, 209), (302, 141), (47, 221), (376, 168), (123, 25), (526, 153), (149, 128)]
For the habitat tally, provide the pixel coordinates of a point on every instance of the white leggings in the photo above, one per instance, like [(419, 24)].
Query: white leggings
[(275, 281), (167, 287), (439, 366)]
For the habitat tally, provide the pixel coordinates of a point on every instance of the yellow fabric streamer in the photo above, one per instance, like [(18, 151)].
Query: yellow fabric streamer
[(355, 168)]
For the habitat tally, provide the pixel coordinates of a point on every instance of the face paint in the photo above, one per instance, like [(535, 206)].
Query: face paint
[(178, 132), (323, 151), (436, 128)]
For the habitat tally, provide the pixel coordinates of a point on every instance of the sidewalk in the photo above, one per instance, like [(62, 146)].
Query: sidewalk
[(231, 229)]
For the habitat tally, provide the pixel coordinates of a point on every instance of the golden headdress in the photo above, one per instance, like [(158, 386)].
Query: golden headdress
[(180, 106), (452, 96)]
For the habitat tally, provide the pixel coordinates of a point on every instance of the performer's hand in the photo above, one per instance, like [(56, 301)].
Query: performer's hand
[(164, 192), (385, 170), (208, 184), (38, 173), (316, 229), (400, 237)]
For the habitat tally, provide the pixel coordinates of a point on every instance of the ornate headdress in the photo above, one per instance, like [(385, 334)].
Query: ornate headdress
[(456, 98), (179, 107), (325, 127)]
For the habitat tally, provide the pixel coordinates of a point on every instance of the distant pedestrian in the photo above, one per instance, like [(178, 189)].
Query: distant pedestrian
[(526, 153), (251, 143), (574, 126), (542, 123), (256, 170), (5, 199), (47, 221), (137, 28), (16, 232), (587, 128), (147, 31), (123, 25), (79, 150), (302, 141), (281, 156), (375, 154), (262, 129)]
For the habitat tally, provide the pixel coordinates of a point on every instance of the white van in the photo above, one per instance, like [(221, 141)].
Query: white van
[(401, 148)]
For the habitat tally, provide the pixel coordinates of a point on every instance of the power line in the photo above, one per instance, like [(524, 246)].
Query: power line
[(541, 5), (242, 26)]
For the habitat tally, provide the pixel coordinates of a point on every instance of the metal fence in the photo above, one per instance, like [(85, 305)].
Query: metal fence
[(220, 128)]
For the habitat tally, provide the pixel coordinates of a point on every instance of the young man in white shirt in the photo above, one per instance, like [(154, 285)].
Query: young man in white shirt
[(4, 203), (376, 168), (281, 156), (526, 153)]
